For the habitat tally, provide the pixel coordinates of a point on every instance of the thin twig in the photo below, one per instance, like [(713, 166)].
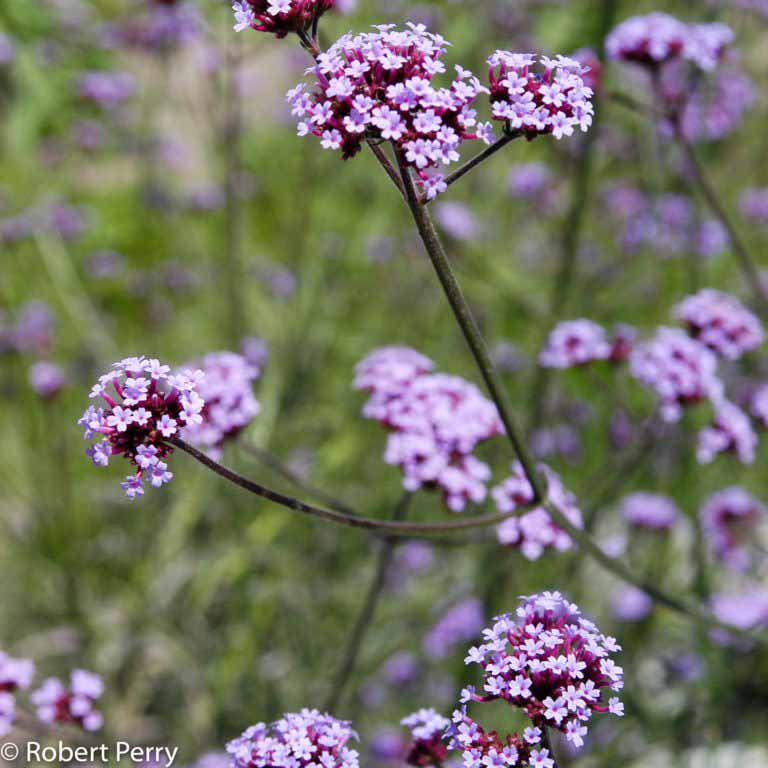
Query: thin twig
[(387, 166), (277, 466), (748, 267), (383, 527), (367, 611), (508, 136)]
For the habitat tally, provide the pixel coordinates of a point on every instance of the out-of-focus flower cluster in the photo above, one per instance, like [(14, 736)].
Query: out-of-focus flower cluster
[(278, 17), (578, 342), (554, 101), (553, 665), (72, 704), (15, 675), (427, 745), (227, 390), (728, 520), (657, 38), (722, 322), (459, 624), (534, 531), (144, 404), (436, 422), (650, 511), (377, 86), (298, 740)]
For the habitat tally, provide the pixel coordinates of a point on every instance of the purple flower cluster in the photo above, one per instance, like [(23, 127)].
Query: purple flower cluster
[(230, 406), (145, 405), (649, 510), (730, 432), (46, 379), (437, 421), (722, 322), (107, 89), (573, 343), (758, 405), (753, 204), (728, 520), (162, 27), (305, 739), (534, 531), (746, 609), (460, 623), (73, 704), (657, 38), (388, 372), (378, 86), (713, 108), (552, 664), (427, 745), (681, 370), (15, 675), (278, 17), (554, 101)]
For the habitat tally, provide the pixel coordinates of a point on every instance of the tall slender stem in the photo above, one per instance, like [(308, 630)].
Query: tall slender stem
[(367, 611), (469, 327), (477, 345), (231, 135), (746, 263)]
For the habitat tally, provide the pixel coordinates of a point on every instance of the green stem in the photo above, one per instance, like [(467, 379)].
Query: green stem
[(367, 611)]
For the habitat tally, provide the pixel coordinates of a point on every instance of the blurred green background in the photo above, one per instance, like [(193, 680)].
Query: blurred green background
[(206, 609)]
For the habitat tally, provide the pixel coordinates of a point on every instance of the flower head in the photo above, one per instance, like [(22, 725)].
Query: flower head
[(227, 389), (460, 623), (107, 89), (74, 704), (143, 406), (722, 322), (681, 370), (657, 38), (729, 519), (378, 86), (298, 740), (649, 510), (730, 432), (15, 674), (547, 661), (427, 728), (278, 17), (46, 379), (758, 405), (554, 100), (575, 343), (534, 531)]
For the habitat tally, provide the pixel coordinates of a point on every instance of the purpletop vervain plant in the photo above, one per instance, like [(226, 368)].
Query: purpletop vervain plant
[(436, 420), (681, 370), (15, 675), (377, 86), (555, 101), (649, 511), (427, 745), (552, 664), (722, 322), (729, 519), (230, 406), (729, 432), (144, 405), (279, 17), (305, 739), (534, 531), (658, 38), (73, 704)]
